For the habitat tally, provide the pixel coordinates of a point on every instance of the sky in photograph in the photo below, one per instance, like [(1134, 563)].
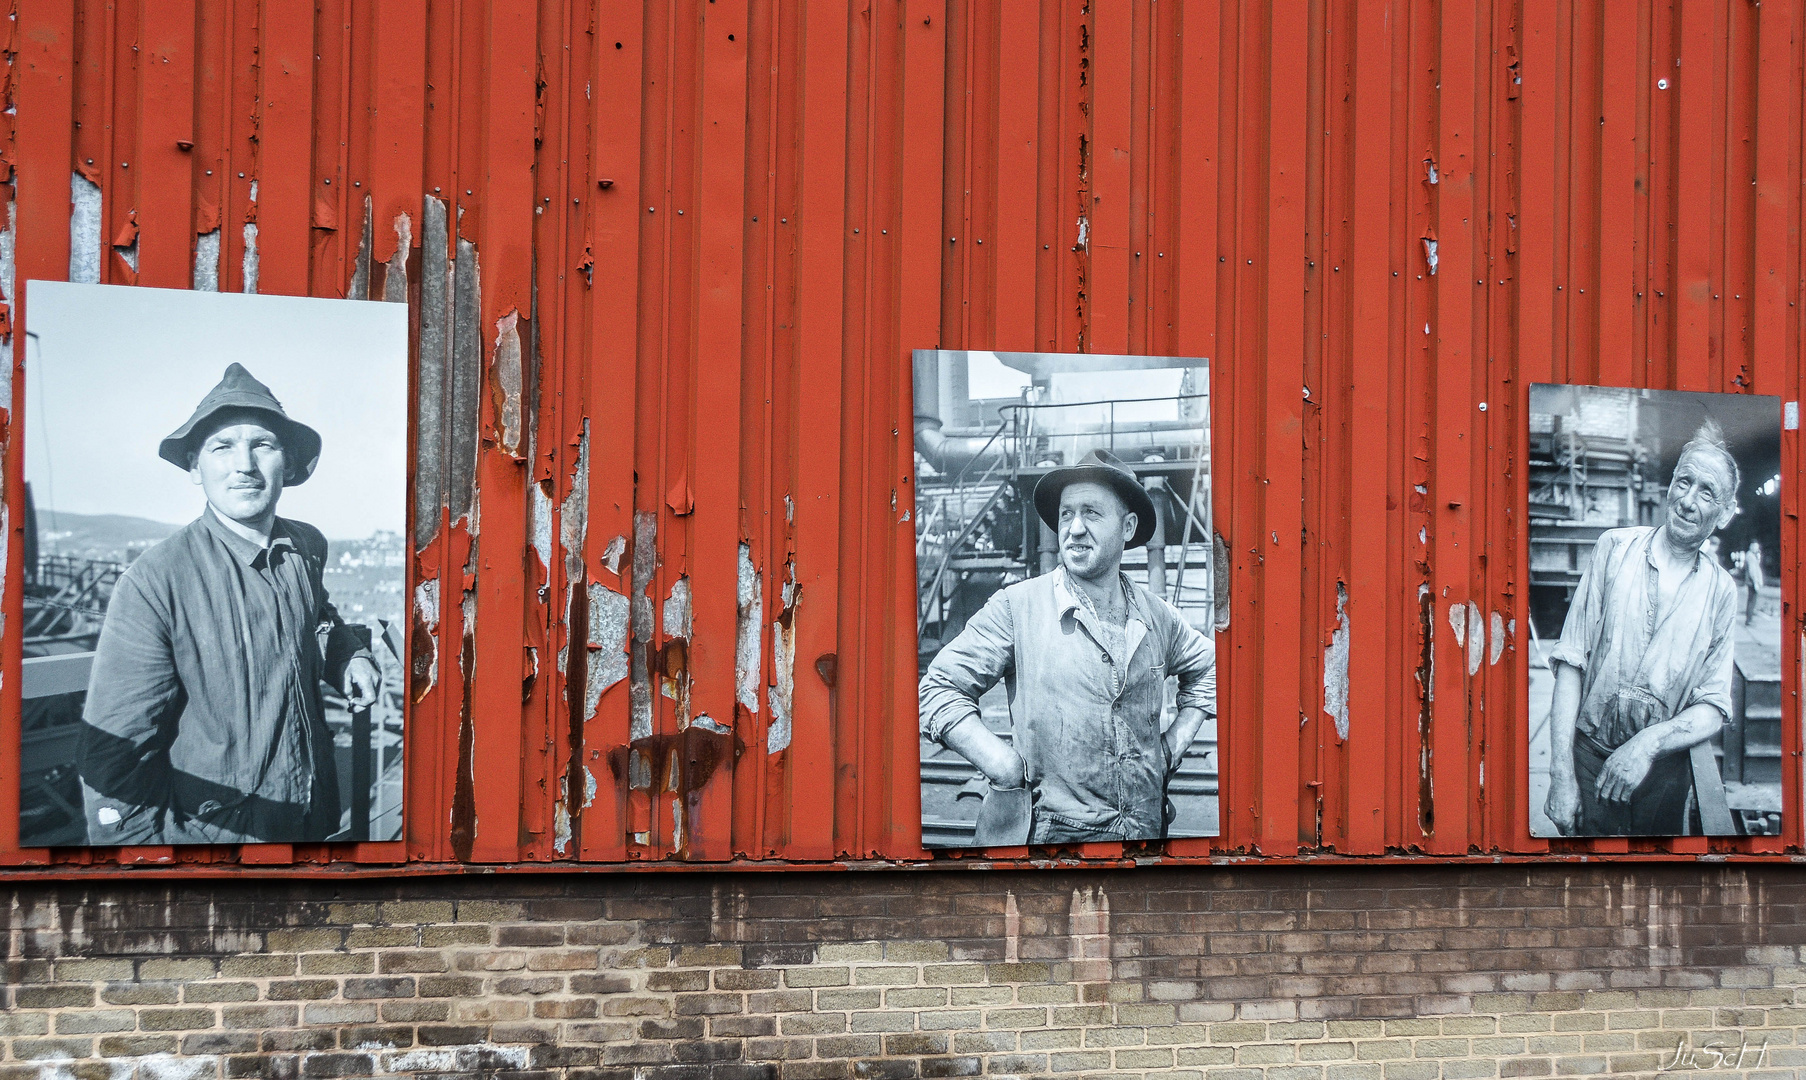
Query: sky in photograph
[(111, 370)]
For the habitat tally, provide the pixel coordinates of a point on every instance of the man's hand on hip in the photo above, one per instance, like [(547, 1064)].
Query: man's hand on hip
[(362, 683)]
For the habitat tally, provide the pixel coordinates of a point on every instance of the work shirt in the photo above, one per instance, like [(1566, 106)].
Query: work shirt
[(1640, 666), (204, 721), (1085, 709)]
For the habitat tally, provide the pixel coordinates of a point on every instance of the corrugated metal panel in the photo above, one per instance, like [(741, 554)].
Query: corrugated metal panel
[(668, 263)]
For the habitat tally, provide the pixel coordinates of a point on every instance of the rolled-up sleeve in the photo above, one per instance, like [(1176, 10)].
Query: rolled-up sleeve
[(1192, 656), (134, 698), (1714, 687), (1581, 629), (966, 668)]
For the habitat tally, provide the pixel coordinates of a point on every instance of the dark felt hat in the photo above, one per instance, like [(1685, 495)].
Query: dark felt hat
[(1098, 467), (238, 393)]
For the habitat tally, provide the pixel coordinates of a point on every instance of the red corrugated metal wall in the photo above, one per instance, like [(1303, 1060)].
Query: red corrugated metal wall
[(668, 262)]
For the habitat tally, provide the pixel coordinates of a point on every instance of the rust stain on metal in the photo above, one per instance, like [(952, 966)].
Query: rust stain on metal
[(464, 799), (1426, 699), (683, 761)]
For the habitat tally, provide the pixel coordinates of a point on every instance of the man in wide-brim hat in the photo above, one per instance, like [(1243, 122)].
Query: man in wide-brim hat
[(1085, 653), (204, 721)]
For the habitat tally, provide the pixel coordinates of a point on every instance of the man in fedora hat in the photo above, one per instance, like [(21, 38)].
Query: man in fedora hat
[(204, 721), (1085, 654)]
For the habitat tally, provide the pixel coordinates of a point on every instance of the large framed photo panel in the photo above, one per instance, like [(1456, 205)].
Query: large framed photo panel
[(1655, 613), (1066, 605), (215, 563)]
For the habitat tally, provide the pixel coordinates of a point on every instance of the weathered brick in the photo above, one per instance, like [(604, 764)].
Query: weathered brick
[(305, 939), (214, 991), (136, 993), (1051, 1039), (855, 953), (259, 1017), (118, 1046), (176, 968), (741, 979), (95, 1021), (179, 1019), (338, 963), (820, 976), (709, 1004), (53, 997), (848, 1000), (339, 1012), (813, 1023), (72, 969), (953, 974), (219, 1042), (258, 967), (301, 989), (708, 956)]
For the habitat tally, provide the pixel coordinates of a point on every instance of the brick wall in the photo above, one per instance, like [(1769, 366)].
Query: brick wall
[(1395, 973)]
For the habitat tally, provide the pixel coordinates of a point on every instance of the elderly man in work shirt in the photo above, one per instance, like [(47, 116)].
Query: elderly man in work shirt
[(1085, 653), (204, 721), (1643, 669)]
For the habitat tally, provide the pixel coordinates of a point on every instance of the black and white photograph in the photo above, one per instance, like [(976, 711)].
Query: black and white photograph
[(1655, 613), (215, 566), (1066, 598)]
